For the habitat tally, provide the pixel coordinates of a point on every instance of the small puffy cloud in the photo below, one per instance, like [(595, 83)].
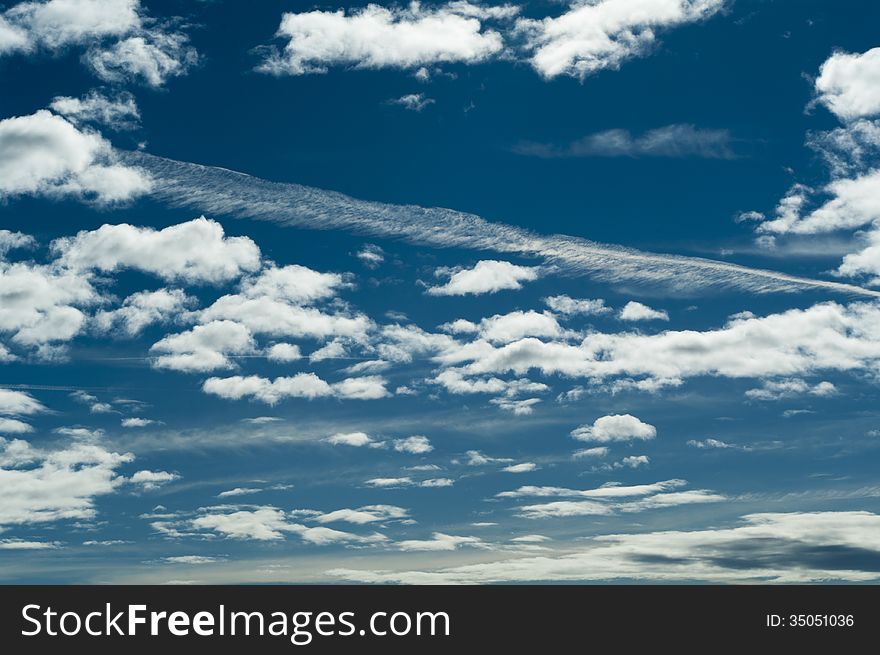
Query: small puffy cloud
[(636, 311), (119, 112), (616, 427), (476, 458), (523, 407), (203, 348), (412, 101), (283, 352), (674, 141), (504, 328), (301, 385), (790, 388), (364, 515), (44, 154), (433, 483), (293, 283), (635, 461), (264, 524), (849, 84), (415, 445), (333, 350), (487, 276), (150, 480), (356, 439), (151, 57), (709, 444), (439, 541), (589, 453), (389, 482), (864, 262), (238, 491), (142, 309), (135, 422), (371, 255), (384, 37), (524, 467), (568, 306), (593, 36), (197, 251)]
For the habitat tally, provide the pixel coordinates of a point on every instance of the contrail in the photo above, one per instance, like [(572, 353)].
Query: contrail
[(222, 192)]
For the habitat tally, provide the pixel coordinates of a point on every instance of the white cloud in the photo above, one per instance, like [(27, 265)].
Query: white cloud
[(634, 461), (476, 458), (380, 37), (865, 262), (119, 112), (487, 276), (364, 515), (356, 439), (568, 306), (763, 548), (371, 255), (616, 427), (264, 524), (433, 483), (710, 444), (523, 407), (504, 328), (42, 486), (238, 491), (197, 251), (598, 35), (415, 445), (636, 311), (412, 101), (284, 352), (599, 451), (203, 348), (849, 84), (333, 350), (524, 467), (439, 541), (14, 426), (294, 283), (19, 403), (389, 482), (151, 57), (790, 388), (46, 155), (135, 422), (11, 240), (142, 309), (675, 141), (301, 385), (150, 480)]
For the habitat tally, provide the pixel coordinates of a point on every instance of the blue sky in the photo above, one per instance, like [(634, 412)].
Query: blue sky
[(458, 292)]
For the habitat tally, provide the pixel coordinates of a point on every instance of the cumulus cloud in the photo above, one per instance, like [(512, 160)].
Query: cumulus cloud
[(848, 84), (568, 306), (674, 141), (412, 101), (371, 255), (19, 403), (44, 154), (439, 541), (865, 262), (41, 486), (590, 37), (636, 311), (356, 439), (142, 309), (196, 251), (524, 467), (384, 37), (301, 385), (790, 388), (150, 480), (203, 348), (124, 43), (389, 482), (415, 445), (487, 276), (119, 112), (616, 427), (364, 515), (283, 352), (14, 426)]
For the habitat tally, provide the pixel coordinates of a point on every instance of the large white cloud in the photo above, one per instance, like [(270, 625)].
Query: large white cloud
[(44, 154), (592, 36), (123, 42), (142, 309), (486, 276), (203, 348), (40, 486), (849, 84), (380, 37), (195, 251)]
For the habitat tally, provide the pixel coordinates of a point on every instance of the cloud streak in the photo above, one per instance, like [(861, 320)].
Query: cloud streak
[(222, 192)]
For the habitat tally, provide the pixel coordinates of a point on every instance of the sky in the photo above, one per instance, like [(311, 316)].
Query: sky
[(459, 292)]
